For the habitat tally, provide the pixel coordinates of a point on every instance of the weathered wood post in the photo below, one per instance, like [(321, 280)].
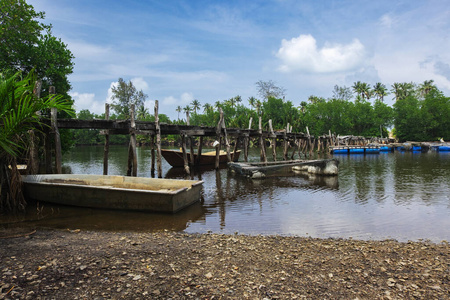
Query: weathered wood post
[(152, 142), (262, 144), (33, 164), (274, 141), (183, 149), (247, 140), (106, 147), (219, 140), (286, 142), (55, 131), (132, 156), (158, 141), (199, 150), (191, 142), (227, 144)]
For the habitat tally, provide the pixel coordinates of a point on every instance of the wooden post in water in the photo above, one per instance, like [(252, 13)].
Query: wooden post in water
[(55, 130), (33, 163), (262, 144), (132, 156), (286, 142), (274, 141), (219, 140), (199, 150), (152, 142), (227, 144), (191, 142), (247, 140), (158, 141), (106, 147), (183, 149)]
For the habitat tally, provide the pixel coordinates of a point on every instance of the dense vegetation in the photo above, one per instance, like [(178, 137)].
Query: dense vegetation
[(420, 112)]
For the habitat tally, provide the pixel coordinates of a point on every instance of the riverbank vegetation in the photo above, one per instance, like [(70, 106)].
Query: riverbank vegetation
[(420, 112)]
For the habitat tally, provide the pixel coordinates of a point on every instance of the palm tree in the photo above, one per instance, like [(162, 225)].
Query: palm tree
[(142, 112), (380, 91), (362, 89), (187, 109), (178, 110), (19, 116), (402, 90), (252, 101), (195, 105), (207, 107), (426, 87)]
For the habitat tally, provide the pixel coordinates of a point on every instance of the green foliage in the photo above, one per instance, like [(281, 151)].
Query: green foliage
[(267, 89), (422, 120), (24, 46), (18, 111), (125, 95)]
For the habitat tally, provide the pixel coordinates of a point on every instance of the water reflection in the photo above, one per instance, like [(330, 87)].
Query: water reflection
[(390, 195)]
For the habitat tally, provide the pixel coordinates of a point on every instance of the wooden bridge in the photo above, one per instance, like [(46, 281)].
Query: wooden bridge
[(303, 144)]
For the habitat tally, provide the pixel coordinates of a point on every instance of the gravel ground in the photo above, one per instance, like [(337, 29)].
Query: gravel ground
[(52, 264)]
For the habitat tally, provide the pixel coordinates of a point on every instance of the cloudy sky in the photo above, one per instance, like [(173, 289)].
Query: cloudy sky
[(177, 51)]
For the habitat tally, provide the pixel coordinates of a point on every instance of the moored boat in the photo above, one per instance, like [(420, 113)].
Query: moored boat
[(113, 192), (285, 168), (175, 157)]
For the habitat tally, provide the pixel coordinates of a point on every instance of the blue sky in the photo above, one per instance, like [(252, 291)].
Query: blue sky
[(177, 51)]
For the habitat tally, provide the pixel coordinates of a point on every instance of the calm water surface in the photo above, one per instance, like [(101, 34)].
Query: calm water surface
[(405, 196)]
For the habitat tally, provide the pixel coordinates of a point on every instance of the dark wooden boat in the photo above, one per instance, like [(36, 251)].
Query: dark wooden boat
[(113, 192), (175, 157), (285, 168)]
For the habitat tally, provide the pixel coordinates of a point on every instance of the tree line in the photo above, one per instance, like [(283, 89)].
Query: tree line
[(420, 112)]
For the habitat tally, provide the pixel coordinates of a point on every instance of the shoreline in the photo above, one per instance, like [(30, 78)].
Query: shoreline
[(105, 265)]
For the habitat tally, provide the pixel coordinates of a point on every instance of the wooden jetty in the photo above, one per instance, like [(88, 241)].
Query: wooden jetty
[(301, 144)]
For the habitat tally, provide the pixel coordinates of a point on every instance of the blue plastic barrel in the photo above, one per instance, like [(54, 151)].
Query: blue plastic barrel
[(356, 150)]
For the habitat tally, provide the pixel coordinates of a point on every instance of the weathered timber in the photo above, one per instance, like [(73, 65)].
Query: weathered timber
[(132, 156), (106, 147), (158, 140)]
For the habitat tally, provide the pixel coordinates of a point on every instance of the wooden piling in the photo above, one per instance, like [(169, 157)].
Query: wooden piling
[(183, 149), (247, 140), (152, 146), (286, 142), (199, 150), (219, 140), (55, 131), (262, 143), (132, 156), (227, 144), (158, 141), (106, 147), (274, 141)]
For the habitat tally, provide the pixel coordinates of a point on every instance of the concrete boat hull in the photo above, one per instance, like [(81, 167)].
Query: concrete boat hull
[(113, 192)]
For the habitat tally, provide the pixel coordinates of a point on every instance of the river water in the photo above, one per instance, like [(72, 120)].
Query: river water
[(400, 195)]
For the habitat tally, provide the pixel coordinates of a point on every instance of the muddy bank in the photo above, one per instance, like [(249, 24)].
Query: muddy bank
[(103, 265)]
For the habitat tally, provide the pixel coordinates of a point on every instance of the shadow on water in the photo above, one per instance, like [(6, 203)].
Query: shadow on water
[(391, 195)]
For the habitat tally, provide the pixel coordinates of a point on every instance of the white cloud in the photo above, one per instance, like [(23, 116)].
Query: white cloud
[(387, 21), (140, 84), (87, 101), (184, 99), (302, 54)]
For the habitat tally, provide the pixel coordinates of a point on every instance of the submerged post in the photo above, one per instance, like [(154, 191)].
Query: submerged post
[(55, 130), (261, 142), (274, 141), (132, 156), (183, 149), (158, 140), (219, 141), (106, 148)]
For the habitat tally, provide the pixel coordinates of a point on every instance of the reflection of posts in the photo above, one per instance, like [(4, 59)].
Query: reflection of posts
[(220, 199)]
